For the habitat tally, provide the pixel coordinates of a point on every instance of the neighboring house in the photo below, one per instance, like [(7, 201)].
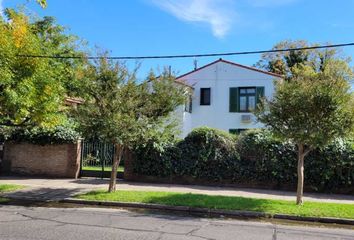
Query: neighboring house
[(224, 94), (72, 101)]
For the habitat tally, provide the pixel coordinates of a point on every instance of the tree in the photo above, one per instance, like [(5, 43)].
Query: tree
[(124, 112), (55, 42), (311, 110), (42, 3), (285, 62), (33, 89)]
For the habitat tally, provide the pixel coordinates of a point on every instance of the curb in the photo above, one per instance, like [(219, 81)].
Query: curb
[(210, 212)]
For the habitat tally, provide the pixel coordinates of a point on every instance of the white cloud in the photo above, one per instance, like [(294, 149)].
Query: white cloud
[(218, 14), (270, 3)]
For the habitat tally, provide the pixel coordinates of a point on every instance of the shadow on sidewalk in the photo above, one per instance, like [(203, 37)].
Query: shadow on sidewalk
[(44, 194)]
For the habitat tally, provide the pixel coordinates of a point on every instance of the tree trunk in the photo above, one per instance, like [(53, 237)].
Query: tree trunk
[(300, 174), (116, 160)]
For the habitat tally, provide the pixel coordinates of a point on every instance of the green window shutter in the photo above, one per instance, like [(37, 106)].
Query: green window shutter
[(259, 94), (234, 101)]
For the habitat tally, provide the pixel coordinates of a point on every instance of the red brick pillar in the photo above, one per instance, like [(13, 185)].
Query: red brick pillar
[(73, 161)]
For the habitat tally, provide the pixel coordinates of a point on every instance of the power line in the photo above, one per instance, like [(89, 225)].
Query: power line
[(191, 55)]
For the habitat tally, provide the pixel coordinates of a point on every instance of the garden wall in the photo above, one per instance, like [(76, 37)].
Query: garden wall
[(61, 160)]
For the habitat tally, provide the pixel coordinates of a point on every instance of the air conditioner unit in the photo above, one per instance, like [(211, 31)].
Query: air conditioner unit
[(246, 118)]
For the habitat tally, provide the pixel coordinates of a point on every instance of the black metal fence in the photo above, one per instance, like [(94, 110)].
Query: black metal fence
[(97, 159)]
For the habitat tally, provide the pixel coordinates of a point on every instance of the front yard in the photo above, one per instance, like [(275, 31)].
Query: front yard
[(99, 168), (309, 209)]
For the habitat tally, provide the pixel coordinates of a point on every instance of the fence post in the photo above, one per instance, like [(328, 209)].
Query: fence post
[(82, 142), (102, 158)]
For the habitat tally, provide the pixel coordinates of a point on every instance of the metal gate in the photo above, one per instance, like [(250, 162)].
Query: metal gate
[(97, 159)]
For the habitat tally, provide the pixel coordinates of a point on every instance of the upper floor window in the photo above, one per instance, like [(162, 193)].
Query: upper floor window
[(205, 96), (247, 99)]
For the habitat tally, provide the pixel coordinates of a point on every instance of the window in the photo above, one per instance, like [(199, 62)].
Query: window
[(247, 98), (188, 104), (205, 96), (236, 131), (233, 131)]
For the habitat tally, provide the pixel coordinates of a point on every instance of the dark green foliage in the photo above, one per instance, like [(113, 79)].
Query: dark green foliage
[(5, 133), (265, 159), (331, 167), (204, 154), (268, 160), (42, 136), (207, 154), (155, 160), (255, 157)]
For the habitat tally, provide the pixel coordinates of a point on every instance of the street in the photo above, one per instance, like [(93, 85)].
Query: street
[(37, 223)]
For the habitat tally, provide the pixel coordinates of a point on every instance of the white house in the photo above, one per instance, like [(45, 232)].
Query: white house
[(223, 96)]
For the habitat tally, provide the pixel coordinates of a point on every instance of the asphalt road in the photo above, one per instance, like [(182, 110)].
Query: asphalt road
[(34, 223)]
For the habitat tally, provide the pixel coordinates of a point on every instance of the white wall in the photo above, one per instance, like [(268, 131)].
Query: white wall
[(184, 121), (220, 77)]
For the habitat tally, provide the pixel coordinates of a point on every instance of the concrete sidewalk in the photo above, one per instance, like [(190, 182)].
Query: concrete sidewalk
[(57, 189)]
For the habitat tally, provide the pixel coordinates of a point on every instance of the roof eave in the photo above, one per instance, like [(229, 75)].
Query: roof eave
[(232, 63)]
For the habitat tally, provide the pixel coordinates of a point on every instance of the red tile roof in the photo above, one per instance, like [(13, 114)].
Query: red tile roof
[(73, 100)]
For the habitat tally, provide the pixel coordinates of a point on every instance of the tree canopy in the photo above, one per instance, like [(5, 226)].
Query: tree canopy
[(120, 110), (42, 3), (284, 63), (33, 89), (312, 109)]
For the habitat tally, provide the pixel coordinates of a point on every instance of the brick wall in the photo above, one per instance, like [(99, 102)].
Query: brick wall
[(50, 160)]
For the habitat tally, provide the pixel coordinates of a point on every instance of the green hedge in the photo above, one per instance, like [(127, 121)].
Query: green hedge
[(332, 167), (325, 169), (253, 157), (264, 159), (155, 160), (206, 154), (42, 136)]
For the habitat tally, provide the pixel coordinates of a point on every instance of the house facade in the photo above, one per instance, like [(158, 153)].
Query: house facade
[(224, 94)]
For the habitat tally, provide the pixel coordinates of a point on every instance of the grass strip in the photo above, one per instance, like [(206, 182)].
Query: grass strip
[(9, 187), (309, 209), (3, 200), (99, 168)]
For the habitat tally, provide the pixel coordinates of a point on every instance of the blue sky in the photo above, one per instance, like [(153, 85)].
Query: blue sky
[(164, 27)]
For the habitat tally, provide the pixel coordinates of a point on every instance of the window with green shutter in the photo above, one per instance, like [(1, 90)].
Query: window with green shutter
[(234, 100), (245, 99), (259, 94)]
